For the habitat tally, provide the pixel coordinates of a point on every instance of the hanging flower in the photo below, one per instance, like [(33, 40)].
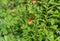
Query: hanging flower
[(29, 20), (33, 1)]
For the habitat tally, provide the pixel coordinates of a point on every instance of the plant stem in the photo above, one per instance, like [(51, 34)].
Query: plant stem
[(36, 30), (46, 17), (46, 11)]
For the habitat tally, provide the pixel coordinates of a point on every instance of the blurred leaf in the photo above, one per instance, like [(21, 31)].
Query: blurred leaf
[(4, 31), (52, 21), (54, 27)]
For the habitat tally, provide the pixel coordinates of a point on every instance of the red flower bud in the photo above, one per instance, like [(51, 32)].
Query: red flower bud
[(33, 1), (29, 21)]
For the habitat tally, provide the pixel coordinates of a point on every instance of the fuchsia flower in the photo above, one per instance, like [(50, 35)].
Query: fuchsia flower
[(33, 1), (29, 20)]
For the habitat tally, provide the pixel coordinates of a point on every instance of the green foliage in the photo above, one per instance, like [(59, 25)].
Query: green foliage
[(45, 16)]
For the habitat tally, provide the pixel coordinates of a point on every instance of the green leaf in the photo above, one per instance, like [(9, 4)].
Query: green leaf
[(52, 21), (5, 1), (4, 31), (54, 27), (58, 7), (57, 39), (51, 2)]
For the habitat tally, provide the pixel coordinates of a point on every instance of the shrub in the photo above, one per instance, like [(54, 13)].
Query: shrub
[(29, 20)]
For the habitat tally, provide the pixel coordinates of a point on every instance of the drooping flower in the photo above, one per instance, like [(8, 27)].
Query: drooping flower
[(33, 1), (29, 20)]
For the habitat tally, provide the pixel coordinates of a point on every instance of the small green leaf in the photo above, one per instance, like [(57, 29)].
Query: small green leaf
[(4, 30), (52, 21), (54, 27)]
